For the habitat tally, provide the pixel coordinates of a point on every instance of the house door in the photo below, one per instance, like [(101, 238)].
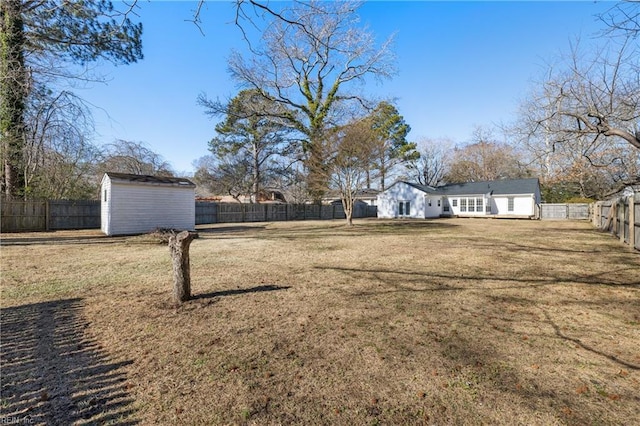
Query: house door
[(404, 208)]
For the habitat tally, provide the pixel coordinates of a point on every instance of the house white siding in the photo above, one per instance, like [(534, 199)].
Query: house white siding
[(504, 198), (389, 202), (433, 206), (522, 205), (140, 207)]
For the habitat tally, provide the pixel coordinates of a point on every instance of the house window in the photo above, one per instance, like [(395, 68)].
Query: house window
[(407, 208), (429, 202), (479, 206), (471, 206), (438, 203), (454, 202), (446, 208), (105, 195), (401, 208), (463, 204), (510, 204)]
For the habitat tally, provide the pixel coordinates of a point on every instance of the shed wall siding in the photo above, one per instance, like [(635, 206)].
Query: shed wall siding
[(105, 206), (142, 208)]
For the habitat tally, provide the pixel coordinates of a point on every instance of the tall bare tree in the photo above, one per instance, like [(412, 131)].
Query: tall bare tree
[(590, 94), (309, 59)]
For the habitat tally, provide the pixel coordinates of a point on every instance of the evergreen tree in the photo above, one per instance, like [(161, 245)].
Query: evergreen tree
[(41, 39)]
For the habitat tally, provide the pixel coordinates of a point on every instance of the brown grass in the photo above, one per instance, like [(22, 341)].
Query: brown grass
[(389, 322)]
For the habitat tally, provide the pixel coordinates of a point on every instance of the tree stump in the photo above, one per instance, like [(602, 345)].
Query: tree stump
[(179, 249)]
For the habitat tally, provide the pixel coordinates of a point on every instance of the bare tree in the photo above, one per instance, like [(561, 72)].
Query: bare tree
[(59, 158), (309, 59), (134, 157), (432, 165), (594, 94), (623, 18), (353, 148), (486, 159), (581, 124)]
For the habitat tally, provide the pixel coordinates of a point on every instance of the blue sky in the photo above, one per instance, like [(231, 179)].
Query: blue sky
[(461, 64)]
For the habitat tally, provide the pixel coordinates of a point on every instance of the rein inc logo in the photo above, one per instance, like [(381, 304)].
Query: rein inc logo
[(17, 420)]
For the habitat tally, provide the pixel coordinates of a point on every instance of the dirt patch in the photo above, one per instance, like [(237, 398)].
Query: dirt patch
[(387, 322)]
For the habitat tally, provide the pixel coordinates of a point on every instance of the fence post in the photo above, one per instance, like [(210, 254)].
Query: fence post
[(621, 204), (47, 215)]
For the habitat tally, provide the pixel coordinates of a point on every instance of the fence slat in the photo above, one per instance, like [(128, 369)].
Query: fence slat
[(564, 211), (620, 217)]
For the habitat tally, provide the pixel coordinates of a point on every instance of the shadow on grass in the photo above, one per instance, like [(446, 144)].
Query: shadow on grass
[(52, 373), (584, 346), (52, 239), (592, 279), (434, 283), (363, 229), (226, 229), (222, 293)]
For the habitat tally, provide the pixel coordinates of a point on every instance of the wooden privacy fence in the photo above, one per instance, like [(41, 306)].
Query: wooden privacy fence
[(564, 211), (621, 217), (211, 212), (45, 215), (51, 215)]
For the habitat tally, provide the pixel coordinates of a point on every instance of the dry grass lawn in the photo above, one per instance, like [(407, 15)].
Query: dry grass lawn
[(455, 321)]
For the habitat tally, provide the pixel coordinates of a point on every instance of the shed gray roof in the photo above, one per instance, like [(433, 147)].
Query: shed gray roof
[(495, 187), (161, 180)]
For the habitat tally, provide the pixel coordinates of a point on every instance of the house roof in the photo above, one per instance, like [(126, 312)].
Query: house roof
[(147, 179), (365, 193), (494, 187)]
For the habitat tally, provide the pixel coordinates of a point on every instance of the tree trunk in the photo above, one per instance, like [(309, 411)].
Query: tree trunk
[(255, 187), (13, 92), (179, 248)]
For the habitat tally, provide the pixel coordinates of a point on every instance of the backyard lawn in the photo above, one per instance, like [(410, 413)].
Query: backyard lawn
[(450, 321)]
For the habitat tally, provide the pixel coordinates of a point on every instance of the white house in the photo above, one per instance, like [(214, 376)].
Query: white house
[(498, 198), (135, 204)]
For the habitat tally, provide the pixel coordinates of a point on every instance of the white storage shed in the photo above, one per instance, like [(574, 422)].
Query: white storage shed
[(136, 204)]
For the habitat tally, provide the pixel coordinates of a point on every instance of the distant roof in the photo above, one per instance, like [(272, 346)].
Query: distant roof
[(363, 193), (162, 180), (495, 187)]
